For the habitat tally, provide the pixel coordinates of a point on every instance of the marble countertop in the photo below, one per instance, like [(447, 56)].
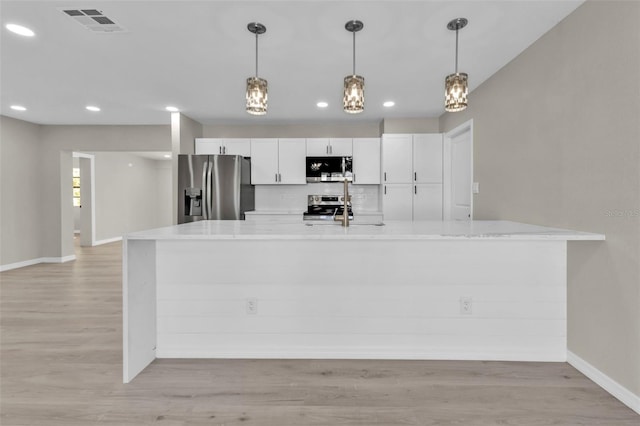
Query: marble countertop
[(428, 230)]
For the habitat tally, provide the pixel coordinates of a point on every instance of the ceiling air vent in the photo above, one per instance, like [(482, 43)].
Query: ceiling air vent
[(94, 20)]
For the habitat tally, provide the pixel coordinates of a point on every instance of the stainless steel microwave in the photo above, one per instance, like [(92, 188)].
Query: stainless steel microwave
[(329, 169)]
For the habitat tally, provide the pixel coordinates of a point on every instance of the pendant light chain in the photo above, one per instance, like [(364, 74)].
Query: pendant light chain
[(257, 56), (456, 49), (354, 53)]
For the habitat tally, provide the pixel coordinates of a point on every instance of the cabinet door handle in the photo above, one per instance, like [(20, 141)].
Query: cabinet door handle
[(330, 149), (385, 190), (220, 150), (276, 177), (279, 177), (353, 178), (224, 149), (385, 176), (415, 189), (415, 175)]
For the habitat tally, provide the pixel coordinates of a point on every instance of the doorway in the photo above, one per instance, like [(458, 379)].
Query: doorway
[(86, 184)]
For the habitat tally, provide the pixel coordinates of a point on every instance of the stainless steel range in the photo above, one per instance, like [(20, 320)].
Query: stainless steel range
[(326, 207)]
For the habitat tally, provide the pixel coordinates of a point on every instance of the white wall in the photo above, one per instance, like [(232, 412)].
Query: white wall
[(20, 191), (556, 137)]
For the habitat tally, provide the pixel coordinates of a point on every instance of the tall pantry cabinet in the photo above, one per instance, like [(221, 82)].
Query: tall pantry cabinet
[(412, 176)]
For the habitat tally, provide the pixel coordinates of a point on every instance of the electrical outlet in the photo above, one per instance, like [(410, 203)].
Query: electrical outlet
[(252, 306), (466, 305)]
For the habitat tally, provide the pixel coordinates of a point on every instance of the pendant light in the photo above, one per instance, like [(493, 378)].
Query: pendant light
[(353, 99), (456, 84), (256, 86)]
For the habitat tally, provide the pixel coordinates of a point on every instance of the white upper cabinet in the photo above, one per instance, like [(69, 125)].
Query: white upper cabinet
[(213, 146), (427, 158), (264, 161), (366, 161), (329, 147), (340, 147), (317, 147), (278, 161), (397, 158), (292, 162), (209, 146)]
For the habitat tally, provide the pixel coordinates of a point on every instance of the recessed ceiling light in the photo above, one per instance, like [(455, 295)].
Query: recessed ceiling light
[(389, 104), (19, 29), (322, 104), (93, 108), (18, 107), (167, 156), (172, 109)]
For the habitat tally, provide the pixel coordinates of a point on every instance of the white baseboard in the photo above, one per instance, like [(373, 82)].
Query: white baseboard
[(30, 262), (363, 353), (623, 394), (107, 241)]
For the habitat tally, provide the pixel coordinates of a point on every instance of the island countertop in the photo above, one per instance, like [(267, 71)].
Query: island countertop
[(427, 230)]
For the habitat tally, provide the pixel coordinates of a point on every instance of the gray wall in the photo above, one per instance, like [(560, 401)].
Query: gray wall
[(184, 131), (41, 156), (20, 186), (410, 125), (556, 140), (295, 130), (132, 193)]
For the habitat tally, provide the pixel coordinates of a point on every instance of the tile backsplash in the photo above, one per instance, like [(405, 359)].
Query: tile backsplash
[(294, 197)]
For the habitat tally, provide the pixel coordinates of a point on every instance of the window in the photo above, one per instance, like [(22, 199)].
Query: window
[(76, 187)]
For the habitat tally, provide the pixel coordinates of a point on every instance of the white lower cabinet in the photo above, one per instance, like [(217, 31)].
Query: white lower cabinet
[(427, 201), (278, 161), (397, 201), (406, 201)]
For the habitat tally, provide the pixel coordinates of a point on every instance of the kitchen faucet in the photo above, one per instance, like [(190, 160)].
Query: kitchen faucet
[(345, 211)]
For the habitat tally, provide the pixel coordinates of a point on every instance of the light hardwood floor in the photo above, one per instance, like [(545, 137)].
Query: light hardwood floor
[(61, 361)]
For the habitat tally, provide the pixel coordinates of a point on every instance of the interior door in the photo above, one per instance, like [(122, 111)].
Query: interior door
[(459, 173)]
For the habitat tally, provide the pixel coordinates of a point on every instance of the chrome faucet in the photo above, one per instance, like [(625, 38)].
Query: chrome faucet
[(344, 218)]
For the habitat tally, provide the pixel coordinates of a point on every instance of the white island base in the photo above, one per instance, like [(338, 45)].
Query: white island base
[(482, 290)]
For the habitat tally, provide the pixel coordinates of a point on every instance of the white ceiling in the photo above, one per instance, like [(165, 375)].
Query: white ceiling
[(196, 55)]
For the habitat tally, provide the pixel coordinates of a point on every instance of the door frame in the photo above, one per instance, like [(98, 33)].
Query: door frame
[(90, 211), (466, 127)]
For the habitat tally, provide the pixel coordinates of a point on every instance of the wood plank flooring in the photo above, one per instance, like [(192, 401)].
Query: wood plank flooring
[(61, 364)]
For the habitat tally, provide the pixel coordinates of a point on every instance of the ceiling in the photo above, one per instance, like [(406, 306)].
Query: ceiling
[(196, 55)]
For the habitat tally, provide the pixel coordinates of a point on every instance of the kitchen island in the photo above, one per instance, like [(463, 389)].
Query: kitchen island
[(486, 290)]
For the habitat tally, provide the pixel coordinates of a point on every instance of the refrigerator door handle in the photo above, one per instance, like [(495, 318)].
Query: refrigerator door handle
[(209, 190), (205, 199)]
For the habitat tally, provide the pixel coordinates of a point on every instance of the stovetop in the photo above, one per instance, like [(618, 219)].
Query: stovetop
[(326, 207)]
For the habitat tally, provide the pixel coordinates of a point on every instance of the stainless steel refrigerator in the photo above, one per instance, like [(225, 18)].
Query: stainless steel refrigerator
[(214, 187)]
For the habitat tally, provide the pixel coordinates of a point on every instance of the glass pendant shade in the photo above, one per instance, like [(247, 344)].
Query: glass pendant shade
[(257, 96), (353, 100), (456, 91)]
